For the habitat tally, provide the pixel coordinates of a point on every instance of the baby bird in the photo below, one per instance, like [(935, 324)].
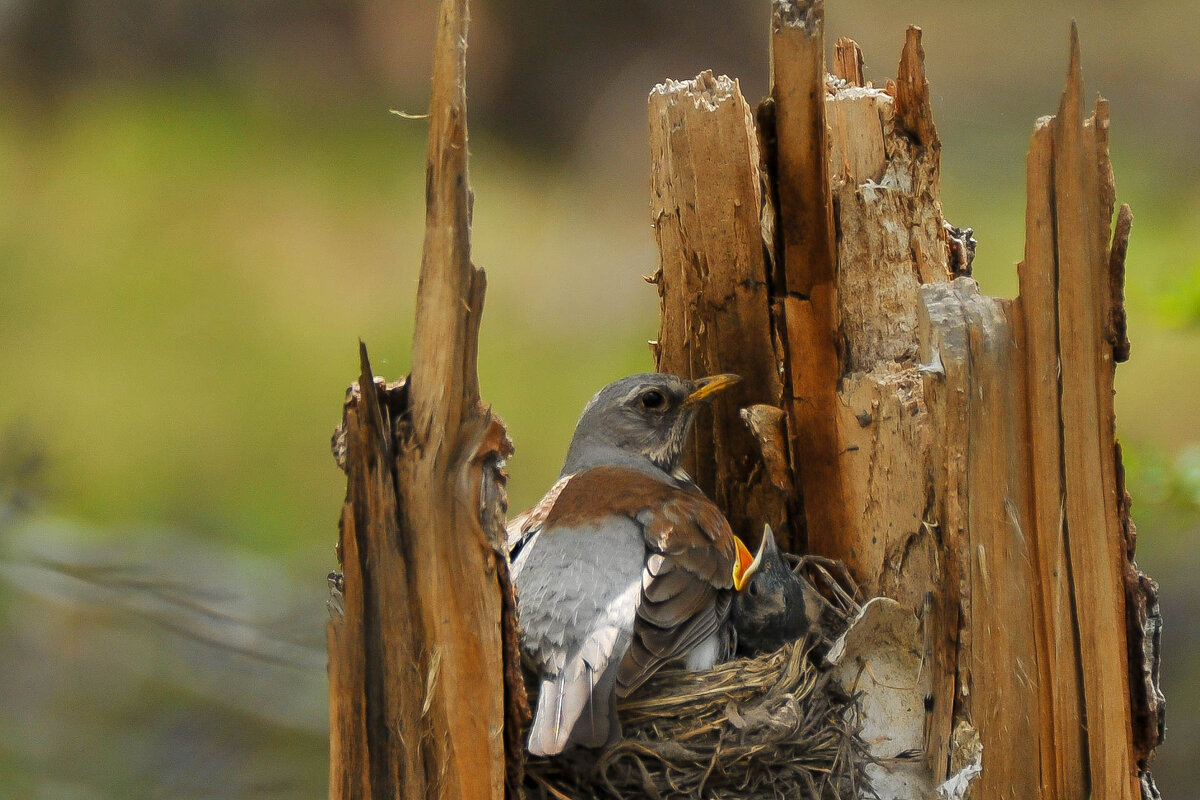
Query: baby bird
[(769, 612)]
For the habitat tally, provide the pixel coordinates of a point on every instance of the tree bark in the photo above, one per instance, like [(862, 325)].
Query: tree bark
[(808, 314), (707, 208), (425, 686), (956, 451)]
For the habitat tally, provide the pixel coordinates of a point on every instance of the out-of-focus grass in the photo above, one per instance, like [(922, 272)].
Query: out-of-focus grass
[(181, 270), (185, 275)]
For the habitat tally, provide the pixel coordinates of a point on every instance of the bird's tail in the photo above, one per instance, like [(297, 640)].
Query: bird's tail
[(576, 707)]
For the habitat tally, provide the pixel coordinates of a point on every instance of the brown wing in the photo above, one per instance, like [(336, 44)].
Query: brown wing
[(689, 565), (690, 553)]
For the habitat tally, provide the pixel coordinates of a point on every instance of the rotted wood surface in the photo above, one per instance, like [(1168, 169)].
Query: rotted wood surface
[(709, 212), (425, 684), (891, 241), (955, 450), (807, 308)]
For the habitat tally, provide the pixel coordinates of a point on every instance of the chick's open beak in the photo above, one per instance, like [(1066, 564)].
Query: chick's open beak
[(707, 387), (745, 566), (742, 564)]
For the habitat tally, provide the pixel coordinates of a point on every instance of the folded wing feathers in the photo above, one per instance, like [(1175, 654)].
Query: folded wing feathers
[(690, 557), (666, 583), (686, 558)]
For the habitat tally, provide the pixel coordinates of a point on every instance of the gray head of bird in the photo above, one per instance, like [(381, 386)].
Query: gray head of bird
[(645, 417), (768, 610)]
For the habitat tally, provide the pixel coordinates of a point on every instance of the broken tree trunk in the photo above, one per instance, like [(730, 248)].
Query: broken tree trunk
[(705, 167), (424, 677), (956, 451)]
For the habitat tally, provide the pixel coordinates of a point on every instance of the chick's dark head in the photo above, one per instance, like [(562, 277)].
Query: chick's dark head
[(769, 611)]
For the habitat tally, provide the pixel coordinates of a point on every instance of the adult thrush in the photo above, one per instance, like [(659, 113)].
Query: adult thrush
[(624, 565)]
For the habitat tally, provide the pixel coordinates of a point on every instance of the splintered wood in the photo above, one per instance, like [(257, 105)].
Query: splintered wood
[(707, 208), (955, 450), (425, 685)]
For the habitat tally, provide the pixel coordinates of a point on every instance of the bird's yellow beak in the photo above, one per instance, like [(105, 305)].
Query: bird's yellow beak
[(743, 565), (746, 565), (710, 386)]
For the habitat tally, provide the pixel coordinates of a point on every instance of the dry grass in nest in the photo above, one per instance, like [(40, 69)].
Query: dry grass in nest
[(767, 727)]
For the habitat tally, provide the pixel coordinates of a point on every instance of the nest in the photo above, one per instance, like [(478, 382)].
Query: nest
[(771, 726)]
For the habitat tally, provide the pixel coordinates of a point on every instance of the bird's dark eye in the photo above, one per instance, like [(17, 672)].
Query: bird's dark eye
[(654, 400), (753, 587)]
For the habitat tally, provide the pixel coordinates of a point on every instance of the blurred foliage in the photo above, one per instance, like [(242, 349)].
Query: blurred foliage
[(1182, 306), (204, 205), (1164, 478)]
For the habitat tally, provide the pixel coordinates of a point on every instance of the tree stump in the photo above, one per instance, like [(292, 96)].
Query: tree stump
[(956, 451), (426, 696)]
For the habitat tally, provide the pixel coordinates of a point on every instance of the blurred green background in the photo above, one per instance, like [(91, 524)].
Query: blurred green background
[(203, 205)]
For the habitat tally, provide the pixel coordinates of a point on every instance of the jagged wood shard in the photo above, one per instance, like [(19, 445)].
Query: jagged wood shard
[(713, 282), (848, 61), (425, 686)]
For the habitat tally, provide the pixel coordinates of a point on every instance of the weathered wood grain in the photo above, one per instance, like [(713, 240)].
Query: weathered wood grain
[(988, 525), (1062, 760), (1093, 537), (423, 656), (707, 209), (810, 309)]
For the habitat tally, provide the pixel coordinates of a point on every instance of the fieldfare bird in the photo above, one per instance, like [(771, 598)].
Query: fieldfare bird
[(769, 611), (624, 565)]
